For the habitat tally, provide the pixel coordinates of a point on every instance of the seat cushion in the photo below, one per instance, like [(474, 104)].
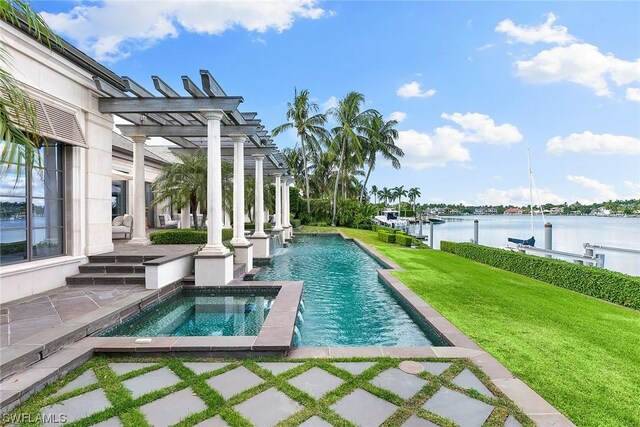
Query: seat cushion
[(117, 221), (120, 229), (127, 221)]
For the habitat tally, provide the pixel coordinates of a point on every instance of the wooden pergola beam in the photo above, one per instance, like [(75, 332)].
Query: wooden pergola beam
[(169, 131), (167, 105)]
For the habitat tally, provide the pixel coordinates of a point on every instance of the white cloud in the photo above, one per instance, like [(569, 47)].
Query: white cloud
[(485, 47), (481, 128), (398, 116), (590, 143), (517, 197), (633, 94), (601, 191), (330, 103), (531, 34), (579, 63), (110, 30), (413, 90), (446, 144)]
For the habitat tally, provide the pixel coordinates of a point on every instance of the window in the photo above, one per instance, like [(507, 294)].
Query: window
[(32, 208), (118, 198)]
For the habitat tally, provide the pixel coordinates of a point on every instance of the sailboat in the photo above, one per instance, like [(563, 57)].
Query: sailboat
[(530, 241)]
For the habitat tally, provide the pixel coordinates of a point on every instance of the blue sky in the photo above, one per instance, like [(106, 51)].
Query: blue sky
[(476, 83)]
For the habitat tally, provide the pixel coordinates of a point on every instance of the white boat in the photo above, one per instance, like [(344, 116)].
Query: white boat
[(390, 218)]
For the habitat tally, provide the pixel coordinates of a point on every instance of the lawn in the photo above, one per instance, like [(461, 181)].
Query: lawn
[(579, 353)]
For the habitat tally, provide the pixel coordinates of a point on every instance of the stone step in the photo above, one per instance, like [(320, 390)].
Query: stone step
[(112, 267), (110, 259), (106, 279)]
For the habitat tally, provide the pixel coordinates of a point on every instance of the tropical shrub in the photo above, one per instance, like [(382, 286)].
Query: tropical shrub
[(607, 285), (386, 237), (252, 226), (185, 237), (296, 223)]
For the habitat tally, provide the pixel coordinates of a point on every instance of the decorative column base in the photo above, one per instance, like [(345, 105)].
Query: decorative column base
[(244, 255), (213, 270), (288, 232), (260, 246), (139, 241)]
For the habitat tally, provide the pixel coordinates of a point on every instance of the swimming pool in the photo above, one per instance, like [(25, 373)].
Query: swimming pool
[(200, 313), (345, 304)]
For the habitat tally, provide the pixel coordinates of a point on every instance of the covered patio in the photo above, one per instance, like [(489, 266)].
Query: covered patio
[(207, 119)]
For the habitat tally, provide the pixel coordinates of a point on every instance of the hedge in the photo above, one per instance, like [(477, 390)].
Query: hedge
[(596, 282), (386, 237), (185, 237), (403, 239), (383, 228), (295, 223), (252, 226)]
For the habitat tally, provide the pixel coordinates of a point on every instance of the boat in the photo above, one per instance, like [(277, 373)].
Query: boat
[(531, 241), (436, 220), (390, 218)]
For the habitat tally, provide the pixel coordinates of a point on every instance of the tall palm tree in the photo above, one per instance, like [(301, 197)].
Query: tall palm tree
[(387, 194), (348, 135), (309, 128), (399, 192), (374, 192), (381, 138), (293, 158), (19, 128), (413, 194)]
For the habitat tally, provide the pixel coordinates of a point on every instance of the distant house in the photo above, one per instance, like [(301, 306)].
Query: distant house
[(556, 210), (491, 211), (479, 211), (513, 211)]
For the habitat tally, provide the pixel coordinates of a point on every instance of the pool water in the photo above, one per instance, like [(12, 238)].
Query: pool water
[(345, 304), (198, 313)]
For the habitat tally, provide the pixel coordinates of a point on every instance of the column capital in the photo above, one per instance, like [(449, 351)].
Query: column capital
[(277, 175), (238, 138), (212, 114), (258, 157), (138, 138)]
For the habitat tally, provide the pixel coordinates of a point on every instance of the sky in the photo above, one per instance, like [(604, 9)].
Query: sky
[(473, 85)]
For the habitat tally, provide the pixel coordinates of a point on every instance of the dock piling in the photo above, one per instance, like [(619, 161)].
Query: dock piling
[(475, 231)]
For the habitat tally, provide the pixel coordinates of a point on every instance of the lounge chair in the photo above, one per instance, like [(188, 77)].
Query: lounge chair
[(167, 222), (122, 225)]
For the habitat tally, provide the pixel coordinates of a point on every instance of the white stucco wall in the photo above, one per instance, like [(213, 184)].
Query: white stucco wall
[(51, 78)]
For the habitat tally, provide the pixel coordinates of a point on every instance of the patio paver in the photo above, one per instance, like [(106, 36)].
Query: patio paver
[(398, 382), (268, 408), (416, 421), (85, 379), (276, 368), (363, 408), (216, 421), (436, 368), (125, 367), (76, 408), (316, 382), (355, 368), (151, 381), (200, 368), (233, 382), (462, 409), (315, 421), (512, 422), (172, 408), (467, 380)]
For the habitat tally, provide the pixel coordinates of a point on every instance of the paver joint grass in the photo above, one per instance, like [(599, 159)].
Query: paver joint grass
[(127, 408)]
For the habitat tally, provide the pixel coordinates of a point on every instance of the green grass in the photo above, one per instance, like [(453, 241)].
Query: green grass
[(581, 354), (128, 408)]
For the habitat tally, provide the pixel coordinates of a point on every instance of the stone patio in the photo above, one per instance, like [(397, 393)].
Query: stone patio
[(365, 393)]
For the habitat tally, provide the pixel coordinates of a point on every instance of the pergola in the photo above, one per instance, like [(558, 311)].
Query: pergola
[(205, 119)]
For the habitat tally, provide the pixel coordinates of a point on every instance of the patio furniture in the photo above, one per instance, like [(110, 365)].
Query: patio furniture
[(122, 225), (167, 222)]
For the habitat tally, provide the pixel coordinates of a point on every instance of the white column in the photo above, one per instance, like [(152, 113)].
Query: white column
[(214, 184), (285, 214), (139, 233), (185, 217), (259, 202), (287, 193), (238, 190), (278, 215)]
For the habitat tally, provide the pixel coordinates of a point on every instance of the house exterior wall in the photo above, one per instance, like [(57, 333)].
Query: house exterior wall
[(53, 79)]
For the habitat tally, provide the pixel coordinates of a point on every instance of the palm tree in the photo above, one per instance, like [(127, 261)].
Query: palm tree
[(387, 194), (374, 193), (309, 129), (183, 183), (19, 128), (413, 194), (293, 158), (398, 193), (381, 138), (348, 135)]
